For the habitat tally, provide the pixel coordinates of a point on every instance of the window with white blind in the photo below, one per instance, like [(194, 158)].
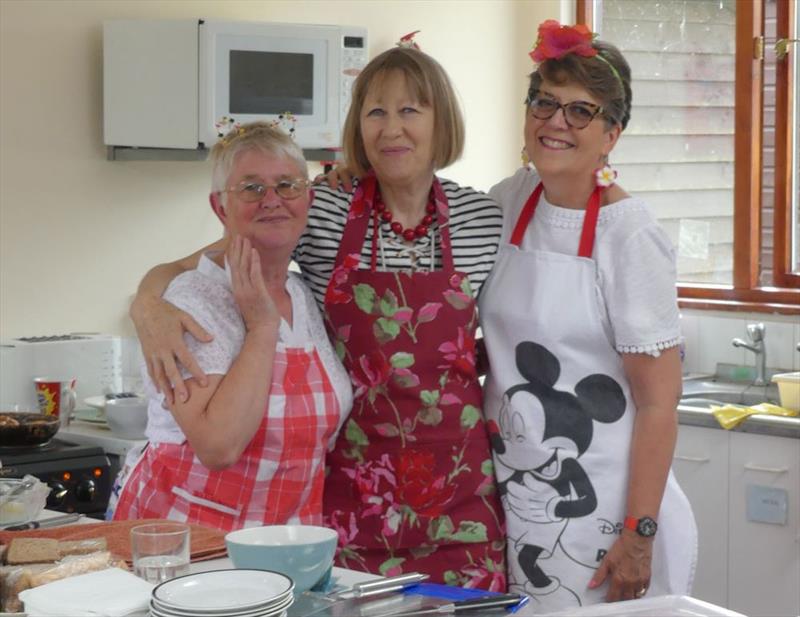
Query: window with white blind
[(702, 149)]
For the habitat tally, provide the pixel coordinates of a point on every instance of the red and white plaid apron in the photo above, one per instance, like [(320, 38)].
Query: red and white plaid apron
[(279, 477)]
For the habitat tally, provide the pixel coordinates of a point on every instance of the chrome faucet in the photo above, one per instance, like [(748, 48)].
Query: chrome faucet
[(756, 333)]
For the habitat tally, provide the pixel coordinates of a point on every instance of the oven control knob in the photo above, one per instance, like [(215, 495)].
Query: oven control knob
[(85, 490), (58, 493)]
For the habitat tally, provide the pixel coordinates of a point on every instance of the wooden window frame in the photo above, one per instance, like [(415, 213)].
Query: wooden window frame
[(745, 294)]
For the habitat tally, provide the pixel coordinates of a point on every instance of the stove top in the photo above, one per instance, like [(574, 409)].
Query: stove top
[(54, 450), (79, 476)]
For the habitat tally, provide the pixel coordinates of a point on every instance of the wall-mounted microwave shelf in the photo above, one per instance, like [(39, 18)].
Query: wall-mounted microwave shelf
[(127, 153)]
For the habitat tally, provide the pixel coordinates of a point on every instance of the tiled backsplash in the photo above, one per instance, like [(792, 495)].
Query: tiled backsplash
[(708, 338)]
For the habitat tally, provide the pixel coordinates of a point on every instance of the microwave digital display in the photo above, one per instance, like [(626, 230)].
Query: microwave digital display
[(266, 82)]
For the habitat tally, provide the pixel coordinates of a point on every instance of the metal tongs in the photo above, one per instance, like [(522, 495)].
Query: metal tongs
[(384, 585)]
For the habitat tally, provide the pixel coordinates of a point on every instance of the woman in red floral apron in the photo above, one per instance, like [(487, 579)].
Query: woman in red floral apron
[(410, 484)]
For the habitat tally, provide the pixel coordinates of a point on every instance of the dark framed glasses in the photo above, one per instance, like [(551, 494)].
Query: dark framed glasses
[(577, 114), (252, 190)]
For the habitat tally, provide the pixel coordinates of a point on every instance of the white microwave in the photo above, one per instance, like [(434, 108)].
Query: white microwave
[(94, 360), (167, 82)]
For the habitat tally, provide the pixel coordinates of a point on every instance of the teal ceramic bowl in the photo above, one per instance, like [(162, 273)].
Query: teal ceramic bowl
[(302, 552)]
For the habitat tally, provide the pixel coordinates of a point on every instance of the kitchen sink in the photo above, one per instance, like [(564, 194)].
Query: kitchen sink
[(714, 391)]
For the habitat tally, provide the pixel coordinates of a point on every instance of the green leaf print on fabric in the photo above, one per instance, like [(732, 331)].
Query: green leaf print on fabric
[(401, 359), (470, 531), (385, 329), (429, 397), (355, 435), (487, 467), (390, 564), (457, 299), (405, 378), (430, 416), (365, 297), (470, 416), (341, 350), (450, 578), (424, 550), (440, 528), (466, 287), (388, 303)]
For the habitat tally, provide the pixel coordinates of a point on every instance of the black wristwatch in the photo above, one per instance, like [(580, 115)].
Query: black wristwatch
[(645, 526)]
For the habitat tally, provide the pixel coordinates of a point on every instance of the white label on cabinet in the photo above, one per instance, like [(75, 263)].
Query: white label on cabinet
[(767, 505)]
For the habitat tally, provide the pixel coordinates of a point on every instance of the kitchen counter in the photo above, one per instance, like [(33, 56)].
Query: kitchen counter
[(88, 434), (759, 424)]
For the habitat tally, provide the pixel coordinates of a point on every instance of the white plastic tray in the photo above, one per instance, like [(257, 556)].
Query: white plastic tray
[(661, 606)]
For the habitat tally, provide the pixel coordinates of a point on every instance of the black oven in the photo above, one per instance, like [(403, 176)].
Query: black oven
[(79, 477)]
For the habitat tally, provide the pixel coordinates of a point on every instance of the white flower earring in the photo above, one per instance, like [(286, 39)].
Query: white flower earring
[(605, 176)]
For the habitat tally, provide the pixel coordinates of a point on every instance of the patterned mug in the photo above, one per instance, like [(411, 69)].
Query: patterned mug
[(56, 397)]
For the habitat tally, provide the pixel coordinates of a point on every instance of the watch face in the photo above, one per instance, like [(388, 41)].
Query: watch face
[(647, 527)]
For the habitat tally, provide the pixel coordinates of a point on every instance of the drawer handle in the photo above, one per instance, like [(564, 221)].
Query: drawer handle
[(751, 467), (692, 459)]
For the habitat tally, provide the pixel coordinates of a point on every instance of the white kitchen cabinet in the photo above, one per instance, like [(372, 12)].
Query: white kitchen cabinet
[(764, 564), (748, 566), (701, 467)]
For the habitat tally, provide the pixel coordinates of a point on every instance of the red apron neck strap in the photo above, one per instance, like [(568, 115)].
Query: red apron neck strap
[(526, 215), (586, 246)]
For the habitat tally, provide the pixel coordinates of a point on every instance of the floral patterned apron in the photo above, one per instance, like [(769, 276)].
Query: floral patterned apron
[(410, 483)]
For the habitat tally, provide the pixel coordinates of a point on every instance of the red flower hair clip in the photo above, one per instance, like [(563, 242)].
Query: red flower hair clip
[(556, 41), (408, 40)]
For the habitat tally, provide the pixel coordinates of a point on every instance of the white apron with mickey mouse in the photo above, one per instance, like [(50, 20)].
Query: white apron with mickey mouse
[(561, 417)]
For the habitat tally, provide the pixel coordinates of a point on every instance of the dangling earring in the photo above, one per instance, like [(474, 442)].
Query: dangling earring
[(526, 161), (606, 175)]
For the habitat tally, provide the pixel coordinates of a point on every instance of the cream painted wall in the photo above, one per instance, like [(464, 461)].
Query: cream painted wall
[(77, 232)]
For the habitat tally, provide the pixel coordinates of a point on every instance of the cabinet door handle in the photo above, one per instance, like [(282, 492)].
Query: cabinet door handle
[(751, 467), (692, 459)]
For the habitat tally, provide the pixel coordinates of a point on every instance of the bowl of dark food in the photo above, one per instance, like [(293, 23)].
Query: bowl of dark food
[(18, 429)]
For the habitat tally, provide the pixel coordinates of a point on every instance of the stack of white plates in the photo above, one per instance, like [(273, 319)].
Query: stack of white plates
[(224, 593)]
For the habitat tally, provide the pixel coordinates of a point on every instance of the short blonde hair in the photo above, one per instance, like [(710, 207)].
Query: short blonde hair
[(261, 136), (429, 84)]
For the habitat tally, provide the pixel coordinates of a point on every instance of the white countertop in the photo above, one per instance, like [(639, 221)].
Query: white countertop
[(87, 434)]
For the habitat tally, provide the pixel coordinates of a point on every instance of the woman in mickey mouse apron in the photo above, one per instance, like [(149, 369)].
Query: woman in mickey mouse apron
[(581, 325)]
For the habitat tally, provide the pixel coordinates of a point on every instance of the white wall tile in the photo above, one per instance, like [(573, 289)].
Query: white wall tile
[(779, 340), (713, 345), (795, 352)]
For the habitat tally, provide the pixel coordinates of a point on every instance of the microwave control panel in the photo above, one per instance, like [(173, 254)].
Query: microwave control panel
[(354, 58)]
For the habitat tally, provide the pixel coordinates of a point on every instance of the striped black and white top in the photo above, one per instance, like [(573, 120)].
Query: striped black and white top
[(475, 227)]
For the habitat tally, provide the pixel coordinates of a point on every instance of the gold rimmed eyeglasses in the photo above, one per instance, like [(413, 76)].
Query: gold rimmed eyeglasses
[(252, 190)]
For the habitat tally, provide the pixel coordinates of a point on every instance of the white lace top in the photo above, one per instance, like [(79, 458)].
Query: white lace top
[(205, 293), (635, 261)]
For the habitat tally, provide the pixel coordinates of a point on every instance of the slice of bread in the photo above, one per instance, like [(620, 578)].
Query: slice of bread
[(32, 550), (82, 547)]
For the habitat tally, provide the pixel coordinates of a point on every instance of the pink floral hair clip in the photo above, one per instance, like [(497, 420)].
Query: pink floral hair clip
[(407, 40), (556, 41), (227, 127)]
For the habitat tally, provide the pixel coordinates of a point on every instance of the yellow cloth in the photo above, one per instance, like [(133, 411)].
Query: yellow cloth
[(731, 416)]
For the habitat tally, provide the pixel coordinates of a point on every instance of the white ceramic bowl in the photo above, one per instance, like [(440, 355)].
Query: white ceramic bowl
[(127, 417), (302, 552)]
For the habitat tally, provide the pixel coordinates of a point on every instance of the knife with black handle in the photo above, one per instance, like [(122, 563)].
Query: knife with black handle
[(463, 606)]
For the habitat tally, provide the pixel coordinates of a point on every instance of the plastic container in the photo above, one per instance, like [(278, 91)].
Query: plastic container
[(789, 390), (659, 606), (21, 506)]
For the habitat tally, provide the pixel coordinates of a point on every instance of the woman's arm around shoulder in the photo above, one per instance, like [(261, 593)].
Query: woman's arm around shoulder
[(160, 327)]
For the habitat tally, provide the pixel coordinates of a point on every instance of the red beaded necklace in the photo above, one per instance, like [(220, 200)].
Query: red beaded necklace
[(382, 213)]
